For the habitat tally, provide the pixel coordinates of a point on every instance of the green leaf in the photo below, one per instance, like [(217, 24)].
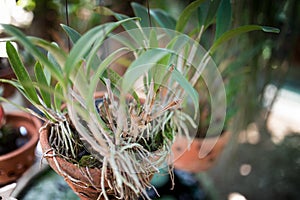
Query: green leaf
[(107, 12), (125, 41), (17, 85), (161, 74), (163, 19), (42, 81), (140, 66), (72, 34), (22, 108), (20, 88), (186, 14), (100, 69), (58, 94), (56, 52), (240, 30), (34, 50), (93, 59), (202, 12), (128, 26), (153, 42), (178, 42), (188, 89), (81, 80), (141, 12), (114, 78), (84, 44), (46, 70), (223, 19), (104, 11), (21, 72), (213, 7)]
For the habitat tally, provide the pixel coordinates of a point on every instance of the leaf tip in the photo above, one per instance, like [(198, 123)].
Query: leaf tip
[(269, 29)]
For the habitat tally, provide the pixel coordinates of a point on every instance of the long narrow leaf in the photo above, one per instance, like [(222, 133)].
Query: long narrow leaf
[(138, 68), (213, 7), (128, 25), (58, 94), (189, 90), (42, 81), (59, 55), (114, 78), (235, 32), (102, 67), (223, 18), (84, 44), (72, 34), (22, 108), (186, 14), (202, 12), (163, 19), (153, 42), (20, 88), (47, 72), (127, 42), (21, 72), (33, 50), (142, 12), (92, 57)]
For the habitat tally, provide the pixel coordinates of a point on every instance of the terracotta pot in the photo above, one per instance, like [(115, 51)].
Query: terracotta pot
[(15, 163), (191, 159), (75, 176)]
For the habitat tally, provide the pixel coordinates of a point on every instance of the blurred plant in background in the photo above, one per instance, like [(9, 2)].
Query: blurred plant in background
[(273, 61), (242, 60), (18, 13)]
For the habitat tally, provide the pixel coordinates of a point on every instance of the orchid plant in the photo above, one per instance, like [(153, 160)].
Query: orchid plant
[(129, 130)]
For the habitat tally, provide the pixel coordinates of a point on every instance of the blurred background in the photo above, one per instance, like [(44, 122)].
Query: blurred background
[(261, 72)]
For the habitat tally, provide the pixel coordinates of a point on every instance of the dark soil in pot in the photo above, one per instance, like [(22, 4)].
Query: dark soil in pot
[(12, 138), (16, 162)]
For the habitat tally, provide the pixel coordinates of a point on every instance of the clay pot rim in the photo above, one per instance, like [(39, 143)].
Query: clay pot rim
[(34, 136), (225, 134), (46, 148)]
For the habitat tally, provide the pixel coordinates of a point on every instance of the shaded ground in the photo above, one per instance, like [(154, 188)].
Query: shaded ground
[(50, 185), (265, 163), (260, 171)]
